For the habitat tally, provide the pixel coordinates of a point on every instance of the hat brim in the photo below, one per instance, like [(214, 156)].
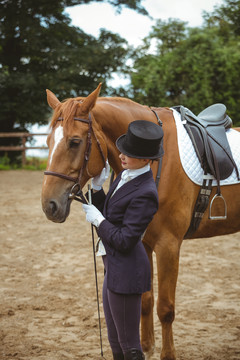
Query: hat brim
[(120, 145)]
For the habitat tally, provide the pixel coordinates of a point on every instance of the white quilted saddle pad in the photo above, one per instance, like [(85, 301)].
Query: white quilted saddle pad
[(189, 159)]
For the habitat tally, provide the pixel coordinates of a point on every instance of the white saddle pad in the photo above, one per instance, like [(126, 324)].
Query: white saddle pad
[(189, 159)]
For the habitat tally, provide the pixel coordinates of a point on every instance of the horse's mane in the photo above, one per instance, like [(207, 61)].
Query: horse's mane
[(68, 107), (114, 99)]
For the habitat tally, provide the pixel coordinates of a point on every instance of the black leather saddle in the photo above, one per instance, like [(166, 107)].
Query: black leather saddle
[(207, 131)]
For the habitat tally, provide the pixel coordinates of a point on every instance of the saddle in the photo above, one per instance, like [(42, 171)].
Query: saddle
[(207, 131)]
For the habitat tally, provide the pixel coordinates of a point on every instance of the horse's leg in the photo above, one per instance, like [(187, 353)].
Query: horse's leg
[(167, 257), (147, 327)]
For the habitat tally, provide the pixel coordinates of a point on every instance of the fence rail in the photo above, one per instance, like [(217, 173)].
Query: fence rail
[(23, 148)]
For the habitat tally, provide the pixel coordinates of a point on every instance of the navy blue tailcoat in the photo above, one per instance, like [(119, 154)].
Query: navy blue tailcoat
[(128, 213)]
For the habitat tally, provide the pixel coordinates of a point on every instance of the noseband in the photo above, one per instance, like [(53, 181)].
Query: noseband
[(76, 191)]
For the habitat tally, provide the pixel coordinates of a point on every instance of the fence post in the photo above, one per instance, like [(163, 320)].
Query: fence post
[(23, 150)]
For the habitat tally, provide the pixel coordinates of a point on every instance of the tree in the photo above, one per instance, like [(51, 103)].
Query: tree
[(226, 17), (153, 79), (195, 67), (39, 49)]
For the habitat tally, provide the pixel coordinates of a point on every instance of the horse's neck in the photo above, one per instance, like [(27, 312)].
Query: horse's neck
[(113, 116)]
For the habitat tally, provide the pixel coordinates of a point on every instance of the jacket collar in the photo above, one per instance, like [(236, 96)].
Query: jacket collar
[(128, 187), (136, 172)]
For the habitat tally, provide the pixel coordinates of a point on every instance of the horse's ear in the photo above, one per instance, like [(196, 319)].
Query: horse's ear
[(52, 99), (90, 100)]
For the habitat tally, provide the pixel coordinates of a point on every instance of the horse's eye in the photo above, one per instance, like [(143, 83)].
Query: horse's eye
[(74, 142)]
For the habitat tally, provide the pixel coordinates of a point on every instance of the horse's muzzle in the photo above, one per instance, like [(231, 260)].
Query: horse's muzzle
[(55, 210)]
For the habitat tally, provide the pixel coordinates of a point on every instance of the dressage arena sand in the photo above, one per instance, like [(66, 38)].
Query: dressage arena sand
[(48, 306)]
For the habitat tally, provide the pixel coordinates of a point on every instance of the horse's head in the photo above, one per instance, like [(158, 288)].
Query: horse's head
[(77, 152)]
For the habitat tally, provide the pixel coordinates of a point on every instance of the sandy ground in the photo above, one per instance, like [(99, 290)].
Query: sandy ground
[(48, 307)]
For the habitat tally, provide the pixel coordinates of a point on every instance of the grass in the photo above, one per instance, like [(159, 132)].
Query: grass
[(32, 163)]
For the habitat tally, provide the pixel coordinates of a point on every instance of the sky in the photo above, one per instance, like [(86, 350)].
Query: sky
[(131, 26)]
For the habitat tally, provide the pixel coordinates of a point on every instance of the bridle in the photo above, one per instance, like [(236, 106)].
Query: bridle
[(76, 191)]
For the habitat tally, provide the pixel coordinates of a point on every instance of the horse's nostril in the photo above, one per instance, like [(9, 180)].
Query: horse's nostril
[(53, 207), (55, 210)]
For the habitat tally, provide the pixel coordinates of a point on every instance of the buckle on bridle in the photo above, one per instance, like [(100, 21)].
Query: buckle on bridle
[(74, 191), (77, 194)]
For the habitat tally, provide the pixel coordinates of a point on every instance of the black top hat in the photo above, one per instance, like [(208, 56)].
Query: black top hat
[(143, 140)]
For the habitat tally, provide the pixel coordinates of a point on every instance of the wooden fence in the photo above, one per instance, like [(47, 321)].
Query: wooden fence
[(23, 148)]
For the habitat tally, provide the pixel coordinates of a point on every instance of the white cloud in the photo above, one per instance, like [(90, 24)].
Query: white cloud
[(133, 26), (190, 11), (91, 18)]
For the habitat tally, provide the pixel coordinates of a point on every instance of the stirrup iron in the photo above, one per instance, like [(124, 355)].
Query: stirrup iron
[(219, 217)]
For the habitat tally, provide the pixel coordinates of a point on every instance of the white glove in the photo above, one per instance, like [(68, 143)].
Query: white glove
[(98, 180), (93, 215)]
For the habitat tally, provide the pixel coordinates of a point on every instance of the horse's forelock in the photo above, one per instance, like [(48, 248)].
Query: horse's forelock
[(66, 110)]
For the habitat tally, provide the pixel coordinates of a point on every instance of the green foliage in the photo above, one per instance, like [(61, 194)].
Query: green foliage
[(35, 163), (168, 35), (119, 4), (226, 17), (32, 163), (195, 67), (4, 163)]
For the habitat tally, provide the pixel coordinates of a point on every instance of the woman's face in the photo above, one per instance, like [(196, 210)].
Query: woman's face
[(132, 163)]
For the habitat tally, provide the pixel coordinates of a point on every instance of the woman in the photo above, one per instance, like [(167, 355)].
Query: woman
[(121, 218)]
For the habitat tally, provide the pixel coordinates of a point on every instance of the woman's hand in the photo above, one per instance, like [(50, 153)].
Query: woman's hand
[(98, 180), (93, 215)]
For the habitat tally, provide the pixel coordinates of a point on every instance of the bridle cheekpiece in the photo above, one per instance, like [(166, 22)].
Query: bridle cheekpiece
[(76, 191)]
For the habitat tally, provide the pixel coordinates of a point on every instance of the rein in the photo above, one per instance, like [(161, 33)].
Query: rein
[(76, 191)]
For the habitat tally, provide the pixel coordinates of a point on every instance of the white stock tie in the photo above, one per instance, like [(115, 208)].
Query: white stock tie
[(124, 179)]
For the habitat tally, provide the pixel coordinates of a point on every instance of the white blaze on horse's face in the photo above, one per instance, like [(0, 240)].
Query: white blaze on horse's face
[(58, 136)]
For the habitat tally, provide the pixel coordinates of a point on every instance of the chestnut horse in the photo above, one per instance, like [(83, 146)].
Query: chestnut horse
[(69, 162)]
